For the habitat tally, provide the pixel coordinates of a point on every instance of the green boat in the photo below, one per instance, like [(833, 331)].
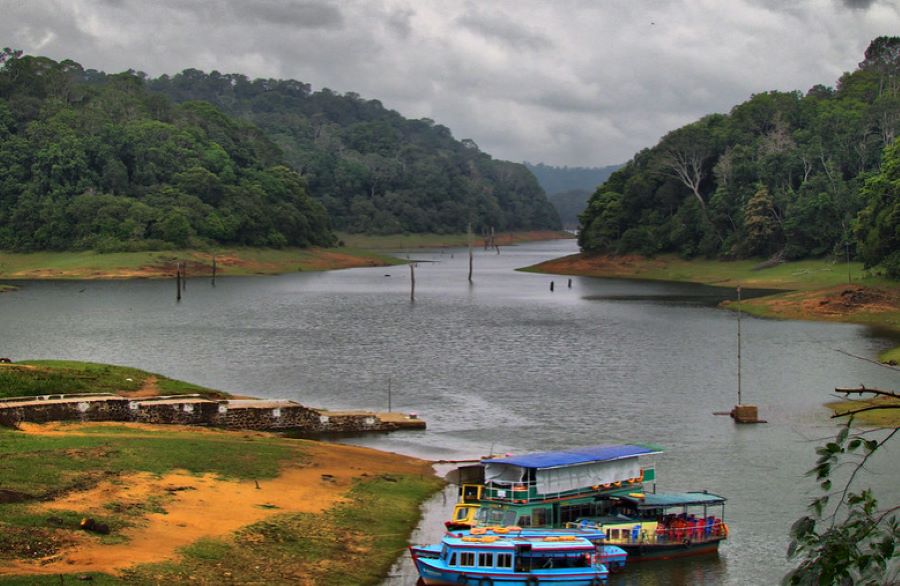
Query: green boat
[(599, 487)]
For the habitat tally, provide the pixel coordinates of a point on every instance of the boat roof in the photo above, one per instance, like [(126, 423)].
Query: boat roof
[(655, 500), (603, 453)]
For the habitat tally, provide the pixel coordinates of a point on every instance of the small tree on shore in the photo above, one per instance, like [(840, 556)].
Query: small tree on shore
[(849, 539)]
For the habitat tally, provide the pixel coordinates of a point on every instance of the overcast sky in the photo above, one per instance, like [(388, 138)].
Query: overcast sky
[(564, 82)]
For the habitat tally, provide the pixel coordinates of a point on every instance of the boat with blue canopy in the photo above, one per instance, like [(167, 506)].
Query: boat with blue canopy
[(514, 556)]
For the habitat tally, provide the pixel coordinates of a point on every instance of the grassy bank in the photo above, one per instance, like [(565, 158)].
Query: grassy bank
[(191, 505), (813, 289), (229, 262), (203, 507), (51, 377), (405, 241)]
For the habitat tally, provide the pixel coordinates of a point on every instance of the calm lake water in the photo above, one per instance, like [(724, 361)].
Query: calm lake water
[(504, 365)]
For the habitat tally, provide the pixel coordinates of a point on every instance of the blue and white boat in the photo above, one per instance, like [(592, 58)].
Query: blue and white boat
[(509, 556)]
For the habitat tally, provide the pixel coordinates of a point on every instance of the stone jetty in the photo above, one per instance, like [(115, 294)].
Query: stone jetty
[(249, 414)]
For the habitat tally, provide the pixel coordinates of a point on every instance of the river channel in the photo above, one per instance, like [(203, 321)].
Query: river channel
[(505, 365)]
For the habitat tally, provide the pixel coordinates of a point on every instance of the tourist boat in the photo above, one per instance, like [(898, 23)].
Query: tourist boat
[(601, 487), (513, 556)]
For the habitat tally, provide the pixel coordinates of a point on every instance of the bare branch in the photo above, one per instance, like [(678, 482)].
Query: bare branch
[(882, 364), (869, 408)]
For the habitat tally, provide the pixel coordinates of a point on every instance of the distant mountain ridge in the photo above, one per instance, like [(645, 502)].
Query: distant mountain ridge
[(568, 188)]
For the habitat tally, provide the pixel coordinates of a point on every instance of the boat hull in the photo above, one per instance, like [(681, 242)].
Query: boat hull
[(432, 573), (642, 552)]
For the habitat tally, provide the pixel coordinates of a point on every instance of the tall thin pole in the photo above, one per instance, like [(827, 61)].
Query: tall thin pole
[(214, 270), (469, 235), (389, 394), (739, 343), (849, 280), (412, 282), (178, 282)]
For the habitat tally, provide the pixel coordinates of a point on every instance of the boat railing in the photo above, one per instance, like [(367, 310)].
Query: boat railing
[(526, 492), (680, 531)]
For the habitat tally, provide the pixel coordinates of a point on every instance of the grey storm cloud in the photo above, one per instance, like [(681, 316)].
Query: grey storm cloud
[(568, 82)]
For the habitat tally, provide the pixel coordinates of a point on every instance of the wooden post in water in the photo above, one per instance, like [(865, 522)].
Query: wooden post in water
[(214, 270), (469, 237), (551, 286), (739, 343), (178, 282), (412, 282)]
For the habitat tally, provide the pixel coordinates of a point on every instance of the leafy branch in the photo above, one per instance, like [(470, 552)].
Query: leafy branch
[(852, 541)]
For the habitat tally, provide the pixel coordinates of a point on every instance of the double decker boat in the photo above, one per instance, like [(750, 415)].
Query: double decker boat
[(606, 488)]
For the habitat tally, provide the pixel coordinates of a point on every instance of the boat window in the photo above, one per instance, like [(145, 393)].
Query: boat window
[(467, 558), (509, 518), (452, 561), (485, 560), (462, 513), (504, 560), (613, 533), (524, 521), (540, 517), (572, 513)]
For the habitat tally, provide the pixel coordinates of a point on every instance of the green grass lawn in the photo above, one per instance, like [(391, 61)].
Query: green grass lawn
[(891, 356), (40, 467), (230, 261), (794, 275), (52, 377), (354, 542)]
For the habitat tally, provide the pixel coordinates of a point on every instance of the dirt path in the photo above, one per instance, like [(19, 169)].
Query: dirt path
[(150, 388), (206, 506)]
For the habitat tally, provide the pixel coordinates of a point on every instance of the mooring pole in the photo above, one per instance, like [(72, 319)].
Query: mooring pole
[(214, 271), (412, 282), (739, 343), (178, 282), (469, 237)]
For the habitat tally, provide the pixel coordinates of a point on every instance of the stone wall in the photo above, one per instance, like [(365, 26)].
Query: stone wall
[(259, 415), (80, 408)]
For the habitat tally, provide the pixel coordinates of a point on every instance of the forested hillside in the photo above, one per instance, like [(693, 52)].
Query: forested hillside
[(803, 175), (374, 170), (89, 160)]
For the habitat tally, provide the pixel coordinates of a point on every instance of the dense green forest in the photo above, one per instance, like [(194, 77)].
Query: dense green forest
[(90, 160), (782, 174), (374, 170), (569, 188), (95, 161)]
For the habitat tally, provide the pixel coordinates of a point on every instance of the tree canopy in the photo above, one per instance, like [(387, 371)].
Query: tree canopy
[(782, 172), (89, 160), (374, 170)]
